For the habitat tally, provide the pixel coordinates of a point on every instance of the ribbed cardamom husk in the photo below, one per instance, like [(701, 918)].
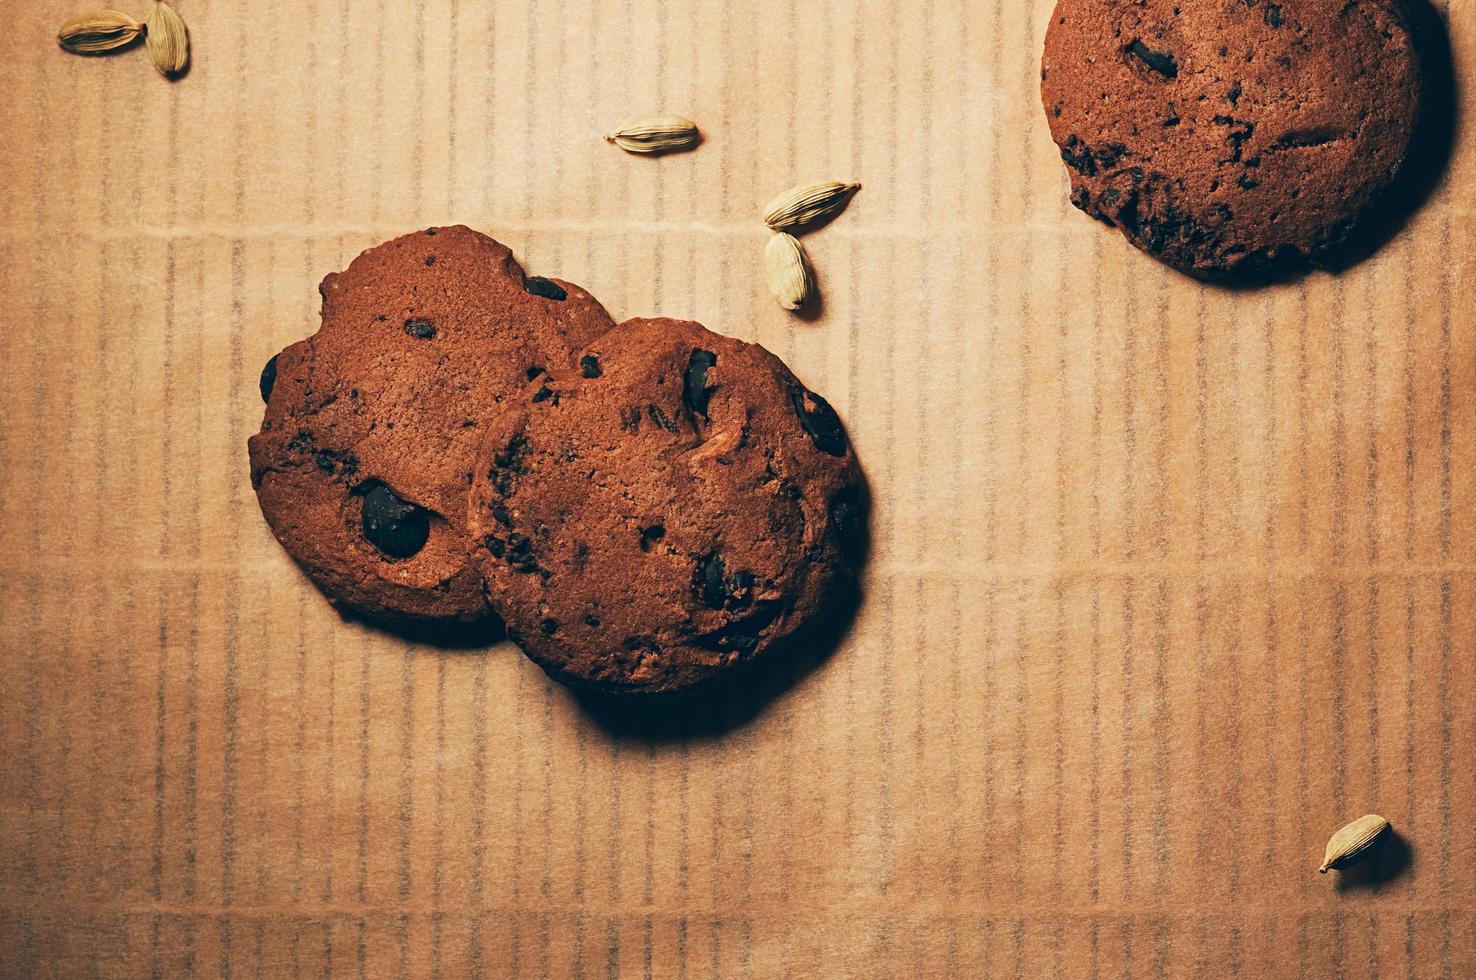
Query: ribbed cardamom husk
[(1353, 842), (655, 134), (99, 32), (806, 204), (788, 271), (168, 39)]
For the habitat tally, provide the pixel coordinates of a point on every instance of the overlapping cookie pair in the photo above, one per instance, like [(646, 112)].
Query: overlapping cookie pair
[(647, 506)]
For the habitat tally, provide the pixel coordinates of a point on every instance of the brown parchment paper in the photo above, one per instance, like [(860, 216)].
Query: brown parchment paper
[(1167, 581)]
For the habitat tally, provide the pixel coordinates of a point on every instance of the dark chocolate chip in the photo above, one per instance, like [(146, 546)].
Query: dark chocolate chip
[(495, 545), (549, 627), (547, 288), (589, 366), (501, 516), (695, 392), (534, 372), (745, 633), (396, 527), (420, 328), (819, 421), (519, 549), (430, 260), (739, 587), (1159, 61), (707, 581), (592, 621), (513, 455), (1078, 156), (718, 590), (1110, 154), (542, 394), (268, 379), (650, 535)]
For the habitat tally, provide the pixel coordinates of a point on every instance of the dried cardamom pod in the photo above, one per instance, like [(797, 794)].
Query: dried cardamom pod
[(655, 134), (807, 204), (788, 271), (1353, 841), (97, 32), (168, 39)]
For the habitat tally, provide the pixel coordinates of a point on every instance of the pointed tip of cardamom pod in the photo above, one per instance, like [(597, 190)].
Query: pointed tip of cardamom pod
[(1322, 870)]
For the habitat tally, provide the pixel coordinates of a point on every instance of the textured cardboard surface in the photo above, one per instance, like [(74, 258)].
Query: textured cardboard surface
[(1167, 581)]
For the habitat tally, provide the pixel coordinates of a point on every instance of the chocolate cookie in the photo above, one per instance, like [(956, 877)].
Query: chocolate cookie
[(667, 512), (364, 459), (1235, 136)]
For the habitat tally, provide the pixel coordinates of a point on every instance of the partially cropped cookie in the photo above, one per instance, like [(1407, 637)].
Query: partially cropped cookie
[(372, 425), (1230, 138), (667, 512)]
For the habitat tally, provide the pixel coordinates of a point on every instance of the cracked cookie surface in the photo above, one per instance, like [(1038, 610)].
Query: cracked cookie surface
[(666, 512), (1230, 138), (365, 454)]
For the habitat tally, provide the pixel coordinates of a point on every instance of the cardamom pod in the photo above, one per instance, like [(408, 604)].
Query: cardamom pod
[(1353, 841), (655, 134), (788, 271), (97, 32), (168, 39), (808, 203)]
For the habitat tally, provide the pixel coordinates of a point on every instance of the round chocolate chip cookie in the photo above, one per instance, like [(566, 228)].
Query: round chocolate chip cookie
[(1235, 136), (665, 513), (364, 459)]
